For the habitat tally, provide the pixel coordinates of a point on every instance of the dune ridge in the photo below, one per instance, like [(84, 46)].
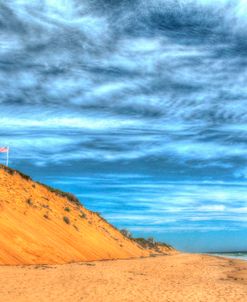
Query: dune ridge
[(41, 225)]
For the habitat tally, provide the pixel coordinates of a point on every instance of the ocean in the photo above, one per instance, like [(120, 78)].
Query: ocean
[(235, 255)]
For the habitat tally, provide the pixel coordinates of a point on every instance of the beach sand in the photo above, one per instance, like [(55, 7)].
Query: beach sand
[(181, 277)]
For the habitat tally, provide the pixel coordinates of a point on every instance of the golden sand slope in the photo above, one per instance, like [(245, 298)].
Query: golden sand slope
[(33, 227), (178, 278)]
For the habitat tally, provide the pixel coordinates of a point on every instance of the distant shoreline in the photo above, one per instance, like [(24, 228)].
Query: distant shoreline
[(231, 255)]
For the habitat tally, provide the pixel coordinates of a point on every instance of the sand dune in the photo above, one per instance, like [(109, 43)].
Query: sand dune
[(182, 277), (39, 225)]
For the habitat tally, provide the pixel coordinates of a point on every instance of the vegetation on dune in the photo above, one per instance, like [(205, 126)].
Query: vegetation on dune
[(72, 198), (83, 215), (149, 243), (126, 233), (66, 219), (29, 201), (12, 172)]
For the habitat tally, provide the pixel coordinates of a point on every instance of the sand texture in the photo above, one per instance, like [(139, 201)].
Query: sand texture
[(176, 278)]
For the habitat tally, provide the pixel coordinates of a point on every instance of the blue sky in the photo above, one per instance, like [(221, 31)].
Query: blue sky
[(138, 107)]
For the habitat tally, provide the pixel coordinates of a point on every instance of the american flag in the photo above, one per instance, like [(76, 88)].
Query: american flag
[(4, 149)]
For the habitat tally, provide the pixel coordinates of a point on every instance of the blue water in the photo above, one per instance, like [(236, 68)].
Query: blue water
[(236, 255)]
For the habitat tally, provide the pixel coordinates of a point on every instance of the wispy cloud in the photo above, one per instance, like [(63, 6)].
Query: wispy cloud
[(163, 205), (153, 88)]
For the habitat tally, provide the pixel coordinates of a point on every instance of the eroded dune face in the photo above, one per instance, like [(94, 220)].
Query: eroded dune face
[(40, 226)]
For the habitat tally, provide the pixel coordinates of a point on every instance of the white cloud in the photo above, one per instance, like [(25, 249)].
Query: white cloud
[(156, 87), (212, 208)]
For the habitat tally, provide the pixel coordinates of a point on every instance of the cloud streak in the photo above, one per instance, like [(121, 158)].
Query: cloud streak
[(154, 88), (163, 205)]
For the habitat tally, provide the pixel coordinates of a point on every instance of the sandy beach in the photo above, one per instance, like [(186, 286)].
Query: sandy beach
[(181, 277)]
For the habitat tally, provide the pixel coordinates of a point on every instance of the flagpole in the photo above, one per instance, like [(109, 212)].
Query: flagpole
[(7, 157)]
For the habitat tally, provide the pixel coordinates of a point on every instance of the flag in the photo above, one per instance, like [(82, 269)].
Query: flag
[(4, 149)]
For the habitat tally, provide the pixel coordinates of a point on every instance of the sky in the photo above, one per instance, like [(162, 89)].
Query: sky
[(138, 107)]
